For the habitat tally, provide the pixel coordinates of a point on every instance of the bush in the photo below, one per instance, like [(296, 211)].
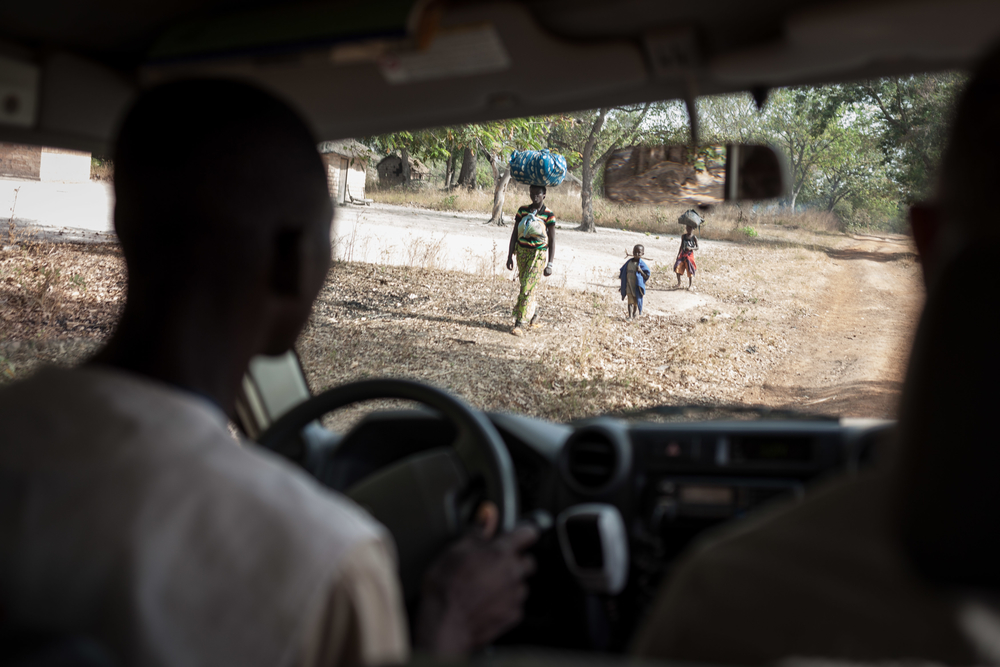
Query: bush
[(102, 169), (748, 231)]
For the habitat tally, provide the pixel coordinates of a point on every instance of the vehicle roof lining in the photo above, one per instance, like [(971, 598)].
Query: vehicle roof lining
[(597, 53)]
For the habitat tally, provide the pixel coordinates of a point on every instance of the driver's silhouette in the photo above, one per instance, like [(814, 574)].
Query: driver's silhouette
[(127, 511)]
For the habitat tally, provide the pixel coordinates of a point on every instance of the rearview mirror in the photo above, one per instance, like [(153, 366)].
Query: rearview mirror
[(693, 177)]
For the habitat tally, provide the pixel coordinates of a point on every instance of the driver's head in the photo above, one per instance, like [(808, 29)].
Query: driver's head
[(222, 201)]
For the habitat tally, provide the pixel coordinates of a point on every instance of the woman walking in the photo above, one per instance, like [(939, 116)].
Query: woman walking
[(533, 239)]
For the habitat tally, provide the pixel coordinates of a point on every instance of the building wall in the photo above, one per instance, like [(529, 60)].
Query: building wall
[(20, 161), (58, 164), (332, 162), (356, 175), (43, 163)]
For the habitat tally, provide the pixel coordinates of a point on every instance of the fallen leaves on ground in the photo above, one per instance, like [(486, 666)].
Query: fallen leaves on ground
[(452, 330), (58, 301)]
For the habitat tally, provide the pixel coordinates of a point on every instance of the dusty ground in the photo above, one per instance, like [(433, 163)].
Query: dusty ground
[(796, 320)]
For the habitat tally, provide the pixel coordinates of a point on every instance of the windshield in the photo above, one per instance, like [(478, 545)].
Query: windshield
[(799, 306)]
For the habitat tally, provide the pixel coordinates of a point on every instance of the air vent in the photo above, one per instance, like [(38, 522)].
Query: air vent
[(592, 460)]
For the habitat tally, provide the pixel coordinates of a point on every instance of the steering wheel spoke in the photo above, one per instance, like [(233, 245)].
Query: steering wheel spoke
[(423, 498)]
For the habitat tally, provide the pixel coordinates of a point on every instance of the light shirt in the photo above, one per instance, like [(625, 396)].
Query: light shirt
[(130, 514), (823, 578)]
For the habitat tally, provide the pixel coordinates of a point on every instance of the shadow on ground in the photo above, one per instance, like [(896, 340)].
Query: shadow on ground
[(877, 399)]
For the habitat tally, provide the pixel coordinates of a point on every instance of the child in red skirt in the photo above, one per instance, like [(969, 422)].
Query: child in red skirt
[(685, 256)]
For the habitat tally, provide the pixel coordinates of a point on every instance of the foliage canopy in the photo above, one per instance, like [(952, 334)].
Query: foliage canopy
[(863, 150)]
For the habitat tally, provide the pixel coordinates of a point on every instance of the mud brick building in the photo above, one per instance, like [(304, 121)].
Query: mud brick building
[(43, 164), (346, 169)]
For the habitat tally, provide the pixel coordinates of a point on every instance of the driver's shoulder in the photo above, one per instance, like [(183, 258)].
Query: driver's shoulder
[(157, 451), (277, 495)]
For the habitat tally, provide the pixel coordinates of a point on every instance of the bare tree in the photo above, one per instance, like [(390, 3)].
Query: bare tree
[(501, 177), (626, 125)]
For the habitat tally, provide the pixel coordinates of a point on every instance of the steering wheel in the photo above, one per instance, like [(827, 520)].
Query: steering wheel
[(416, 497)]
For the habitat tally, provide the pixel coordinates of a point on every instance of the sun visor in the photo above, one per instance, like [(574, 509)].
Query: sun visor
[(478, 62), (835, 40), (66, 101), (18, 92)]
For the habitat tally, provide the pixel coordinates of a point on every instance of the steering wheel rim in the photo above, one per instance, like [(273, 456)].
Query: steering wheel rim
[(477, 444)]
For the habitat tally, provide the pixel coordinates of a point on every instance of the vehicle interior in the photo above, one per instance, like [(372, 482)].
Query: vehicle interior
[(618, 500)]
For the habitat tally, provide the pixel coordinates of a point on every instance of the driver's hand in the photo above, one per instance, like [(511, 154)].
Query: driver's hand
[(510, 263), (475, 592)]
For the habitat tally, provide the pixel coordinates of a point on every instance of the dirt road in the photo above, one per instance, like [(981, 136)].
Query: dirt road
[(402, 236), (59, 211), (816, 322), (851, 360)]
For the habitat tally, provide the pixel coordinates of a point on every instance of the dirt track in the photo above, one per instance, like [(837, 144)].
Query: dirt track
[(812, 322), (809, 321), (852, 359)]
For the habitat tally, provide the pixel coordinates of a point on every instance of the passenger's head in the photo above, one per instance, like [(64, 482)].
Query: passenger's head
[(964, 210), (947, 496), (222, 200), (970, 167)]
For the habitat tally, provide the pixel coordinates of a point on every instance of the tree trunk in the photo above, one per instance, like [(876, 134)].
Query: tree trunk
[(467, 176), (501, 177), (449, 171), (587, 200), (587, 175), (406, 167)]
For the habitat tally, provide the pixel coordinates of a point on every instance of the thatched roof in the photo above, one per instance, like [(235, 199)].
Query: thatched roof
[(346, 147)]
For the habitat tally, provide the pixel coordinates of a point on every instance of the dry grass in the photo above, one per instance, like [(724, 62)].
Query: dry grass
[(446, 328), (102, 170), (451, 329), (57, 302), (724, 222)]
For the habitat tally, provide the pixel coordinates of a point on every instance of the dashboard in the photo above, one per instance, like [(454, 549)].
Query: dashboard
[(625, 499)]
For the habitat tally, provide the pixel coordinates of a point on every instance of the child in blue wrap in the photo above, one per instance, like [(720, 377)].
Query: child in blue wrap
[(634, 275)]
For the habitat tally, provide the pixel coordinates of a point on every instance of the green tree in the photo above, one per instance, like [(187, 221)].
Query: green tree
[(797, 121), (589, 138), (497, 139), (911, 115), (851, 167), (731, 119)]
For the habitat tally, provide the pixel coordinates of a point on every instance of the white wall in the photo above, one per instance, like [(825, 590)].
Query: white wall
[(63, 165)]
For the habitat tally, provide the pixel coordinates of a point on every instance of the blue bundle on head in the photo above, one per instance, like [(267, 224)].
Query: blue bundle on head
[(538, 167)]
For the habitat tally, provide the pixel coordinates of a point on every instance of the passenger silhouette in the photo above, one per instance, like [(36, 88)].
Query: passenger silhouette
[(898, 562)]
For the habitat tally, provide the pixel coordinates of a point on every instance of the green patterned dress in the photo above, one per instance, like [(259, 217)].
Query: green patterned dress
[(532, 252)]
